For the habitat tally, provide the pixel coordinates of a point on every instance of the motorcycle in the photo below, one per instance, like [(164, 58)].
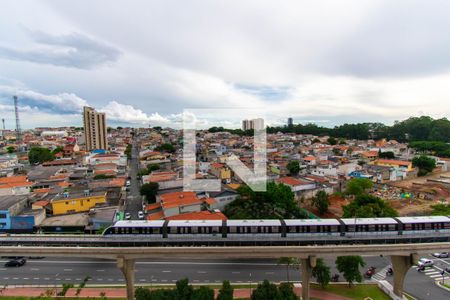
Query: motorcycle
[(335, 278), (420, 268), (389, 272), (369, 273)]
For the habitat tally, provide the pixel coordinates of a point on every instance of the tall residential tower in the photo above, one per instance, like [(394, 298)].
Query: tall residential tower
[(94, 129)]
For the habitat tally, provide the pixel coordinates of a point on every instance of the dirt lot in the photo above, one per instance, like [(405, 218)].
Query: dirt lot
[(424, 194)]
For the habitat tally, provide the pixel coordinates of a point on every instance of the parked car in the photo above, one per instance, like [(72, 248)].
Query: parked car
[(425, 262), (15, 262), (141, 215), (447, 269), (441, 254), (127, 216)]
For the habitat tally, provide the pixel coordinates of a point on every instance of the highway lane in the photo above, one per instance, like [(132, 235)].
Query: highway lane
[(58, 271), (55, 271)]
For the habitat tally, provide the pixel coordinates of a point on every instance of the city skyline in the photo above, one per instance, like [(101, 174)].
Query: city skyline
[(349, 67)]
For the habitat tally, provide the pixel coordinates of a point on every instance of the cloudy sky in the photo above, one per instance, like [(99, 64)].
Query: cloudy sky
[(144, 62)]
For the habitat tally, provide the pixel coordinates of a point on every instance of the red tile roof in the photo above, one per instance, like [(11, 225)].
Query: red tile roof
[(292, 181), (179, 199), (201, 215)]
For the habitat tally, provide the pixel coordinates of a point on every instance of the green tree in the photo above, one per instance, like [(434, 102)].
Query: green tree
[(58, 149), (149, 190), (226, 291), (203, 293), (321, 201), (39, 155), (143, 172), (183, 290), (332, 141), (153, 167), (441, 210), (358, 186), (425, 164), (315, 141), (322, 273), (166, 148), (349, 267), (277, 202), (10, 149), (128, 151), (265, 291), (368, 206), (286, 292), (293, 167), (141, 293), (288, 261), (386, 155)]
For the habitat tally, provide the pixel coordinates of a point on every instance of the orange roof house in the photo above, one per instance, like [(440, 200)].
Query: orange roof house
[(201, 215)]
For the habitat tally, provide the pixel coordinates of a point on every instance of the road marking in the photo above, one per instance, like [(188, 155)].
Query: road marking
[(435, 275), (36, 278), (445, 278), (195, 280), (6, 278), (26, 278), (269, 273), (58, 279), (67, 270), (34, 269), (99, 279), (201, 272), (15, 278), (121, 279), (142, 280), (110, 279), (235, 272), (163, 280), (100, 270), (46, 278), (77, 278), (166, 271), (2, 269)]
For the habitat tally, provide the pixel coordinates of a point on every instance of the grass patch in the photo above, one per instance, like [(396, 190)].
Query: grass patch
[(357, 292)]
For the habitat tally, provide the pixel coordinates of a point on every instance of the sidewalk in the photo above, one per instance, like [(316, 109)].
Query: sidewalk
[(121, 293)]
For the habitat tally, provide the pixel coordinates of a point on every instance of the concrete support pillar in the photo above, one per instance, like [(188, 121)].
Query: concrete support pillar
[(401, 265), (307, 264), (127, 268)]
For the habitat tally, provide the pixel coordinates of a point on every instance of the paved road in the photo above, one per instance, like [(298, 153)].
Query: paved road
[(134, 199), (57, 271), (422, 285), (68, 270)]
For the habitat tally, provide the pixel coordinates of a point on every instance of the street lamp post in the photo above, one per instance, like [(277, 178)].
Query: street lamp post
[(250, 284)]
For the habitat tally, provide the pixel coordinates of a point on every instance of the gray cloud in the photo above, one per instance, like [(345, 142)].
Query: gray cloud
[(72, 50)]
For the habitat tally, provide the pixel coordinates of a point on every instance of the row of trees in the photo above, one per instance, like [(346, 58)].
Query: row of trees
[(184, 291), (349, 266), (413, 129)]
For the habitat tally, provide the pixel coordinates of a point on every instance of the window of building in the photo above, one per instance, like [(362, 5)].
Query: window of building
[(2, 216)]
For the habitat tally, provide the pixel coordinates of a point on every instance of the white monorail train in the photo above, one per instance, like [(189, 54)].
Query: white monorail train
[(402, 226)]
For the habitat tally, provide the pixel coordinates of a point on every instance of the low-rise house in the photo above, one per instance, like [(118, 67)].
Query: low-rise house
[(298, 186), (69, 203), (11, 206), (407, 165), (15, 185)]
